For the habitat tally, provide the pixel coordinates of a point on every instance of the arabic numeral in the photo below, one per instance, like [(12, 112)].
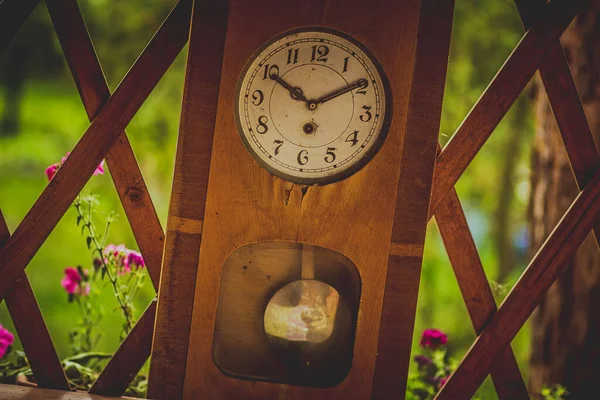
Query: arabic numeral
[(302, 157), (292, 56), (278, 144), (319, 53), (366, 117), (257, 97), (353, 137), (262, 127), (270, 70), (363, 90), (330, 155)]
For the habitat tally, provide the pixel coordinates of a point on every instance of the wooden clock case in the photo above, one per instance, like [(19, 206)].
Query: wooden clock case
[(376, 217)]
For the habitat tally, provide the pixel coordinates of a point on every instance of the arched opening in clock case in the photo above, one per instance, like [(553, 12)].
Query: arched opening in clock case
[(286, 318)]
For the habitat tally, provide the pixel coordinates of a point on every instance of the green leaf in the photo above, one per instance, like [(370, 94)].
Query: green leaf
[(89, 242)]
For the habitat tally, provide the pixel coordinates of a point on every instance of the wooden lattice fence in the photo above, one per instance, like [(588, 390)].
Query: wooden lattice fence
[(109, 114)]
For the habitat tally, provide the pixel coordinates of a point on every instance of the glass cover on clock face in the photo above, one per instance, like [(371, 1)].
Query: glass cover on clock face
[(313, 106)]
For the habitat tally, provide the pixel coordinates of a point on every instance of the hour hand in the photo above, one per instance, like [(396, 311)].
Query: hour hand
[(359, 84), (295, 92)]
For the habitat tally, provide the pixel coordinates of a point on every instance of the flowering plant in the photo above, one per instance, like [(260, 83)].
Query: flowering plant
[(6, 341), (433, 366), (123, 268)]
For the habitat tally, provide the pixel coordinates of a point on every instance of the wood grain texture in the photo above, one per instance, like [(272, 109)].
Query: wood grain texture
[(412, 205), (31, 329), (246, 204), (94, 92), (178, 277), (14, 392), (129, 359), (504, 89), (475, 290), (13, 14), (546, 266), (103, 132)]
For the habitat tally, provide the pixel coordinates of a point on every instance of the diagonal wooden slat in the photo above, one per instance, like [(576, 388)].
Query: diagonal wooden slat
[(194, 145), (566, 106), (126, 363), (475, 290), (544, 269), (31, 329), (94, 145), (499, 96), (94, 92), (564, 99), (13, 14), (129, 357), (571, 119), (414, 186)]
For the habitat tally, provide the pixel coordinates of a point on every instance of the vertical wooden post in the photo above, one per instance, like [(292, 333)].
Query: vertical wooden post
[(184, 225), (412, 205)]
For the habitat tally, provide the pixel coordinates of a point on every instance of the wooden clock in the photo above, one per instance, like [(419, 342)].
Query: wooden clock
[(313, 105), (313, 223)]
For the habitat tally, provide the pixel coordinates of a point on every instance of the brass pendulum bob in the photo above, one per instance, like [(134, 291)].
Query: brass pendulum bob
[(303, 318)]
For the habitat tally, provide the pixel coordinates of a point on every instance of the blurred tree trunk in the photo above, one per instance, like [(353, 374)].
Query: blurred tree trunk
[(505, 249), (13, 81), (566, 325)]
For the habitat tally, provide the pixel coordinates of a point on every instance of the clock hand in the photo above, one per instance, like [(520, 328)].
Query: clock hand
[(361, 83), (295, 92)]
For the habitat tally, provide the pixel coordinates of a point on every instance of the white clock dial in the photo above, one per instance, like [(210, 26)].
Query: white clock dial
[(312, 106)]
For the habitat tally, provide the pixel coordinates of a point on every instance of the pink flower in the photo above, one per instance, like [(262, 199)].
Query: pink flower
[(444, 380), (124, 259), (433, 338), (51, 170), (74, 283), (6, 340), (99, 170), (135, 259)]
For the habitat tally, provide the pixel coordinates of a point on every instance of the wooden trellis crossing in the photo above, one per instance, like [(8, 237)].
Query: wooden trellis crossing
[(167, 339)]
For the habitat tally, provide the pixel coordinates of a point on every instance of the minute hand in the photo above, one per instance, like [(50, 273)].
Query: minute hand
[(359, 84)]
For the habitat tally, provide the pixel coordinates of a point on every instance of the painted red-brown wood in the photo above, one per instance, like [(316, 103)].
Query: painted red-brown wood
[(14, 392), (564, 99), (129, 359), (94, 92), (546, 266), (414, 188), (31, 329), (475, 290), (103, 132), (186, 211), (13, 14), (499, 96)]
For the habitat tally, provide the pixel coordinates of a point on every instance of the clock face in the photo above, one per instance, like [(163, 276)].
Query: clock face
[(313, 106)]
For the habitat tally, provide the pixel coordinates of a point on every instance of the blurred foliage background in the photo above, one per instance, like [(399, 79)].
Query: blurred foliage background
[(41, 118)]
